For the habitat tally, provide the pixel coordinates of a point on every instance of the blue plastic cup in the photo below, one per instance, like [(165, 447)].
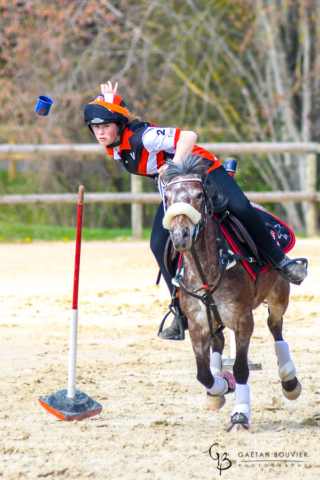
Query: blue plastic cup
[(230, 165), (43, 105)]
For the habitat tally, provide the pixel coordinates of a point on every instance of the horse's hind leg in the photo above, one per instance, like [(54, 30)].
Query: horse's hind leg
[(278, 300)]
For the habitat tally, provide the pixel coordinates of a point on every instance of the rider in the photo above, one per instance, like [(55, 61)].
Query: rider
[(143, 149)]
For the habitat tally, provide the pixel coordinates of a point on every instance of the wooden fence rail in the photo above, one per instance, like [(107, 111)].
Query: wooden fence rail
[(145, 198), (217, 148), (15, 153), (139, 199)]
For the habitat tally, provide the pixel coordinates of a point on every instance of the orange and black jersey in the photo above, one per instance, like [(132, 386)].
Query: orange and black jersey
[(146, 147)]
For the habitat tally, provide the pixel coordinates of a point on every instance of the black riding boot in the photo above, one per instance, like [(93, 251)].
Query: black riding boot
[(240, 207), (178, 325), (292, 271)]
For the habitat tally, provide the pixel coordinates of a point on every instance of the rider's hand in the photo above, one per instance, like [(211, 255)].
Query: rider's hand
[(108, 88), (163, 168)]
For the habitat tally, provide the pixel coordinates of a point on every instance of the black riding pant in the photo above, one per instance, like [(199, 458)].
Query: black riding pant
[(158, 240), (239, 206)]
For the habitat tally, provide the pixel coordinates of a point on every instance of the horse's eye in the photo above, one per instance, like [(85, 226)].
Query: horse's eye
[(200, 196)]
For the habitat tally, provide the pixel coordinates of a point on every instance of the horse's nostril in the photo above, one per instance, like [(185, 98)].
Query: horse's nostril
[(185, 233)]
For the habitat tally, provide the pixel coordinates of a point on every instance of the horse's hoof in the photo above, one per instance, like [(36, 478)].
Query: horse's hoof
[(238, 422), (292, 390), (215, 402)]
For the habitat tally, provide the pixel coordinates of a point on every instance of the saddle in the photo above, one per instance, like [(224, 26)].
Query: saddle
[(241, 242)]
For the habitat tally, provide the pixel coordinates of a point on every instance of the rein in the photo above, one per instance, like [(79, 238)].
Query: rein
[(207, 297), (224, 259)]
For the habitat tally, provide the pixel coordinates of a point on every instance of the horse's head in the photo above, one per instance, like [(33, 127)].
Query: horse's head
[(187, 200)]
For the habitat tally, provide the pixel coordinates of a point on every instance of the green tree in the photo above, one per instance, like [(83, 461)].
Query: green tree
[(233, 70)]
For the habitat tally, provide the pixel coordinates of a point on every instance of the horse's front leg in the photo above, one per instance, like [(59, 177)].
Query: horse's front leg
[(216, 355), (209, 373), (241, 408), (216, 402)]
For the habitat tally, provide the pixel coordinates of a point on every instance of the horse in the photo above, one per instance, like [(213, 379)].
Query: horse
[(228, 299)]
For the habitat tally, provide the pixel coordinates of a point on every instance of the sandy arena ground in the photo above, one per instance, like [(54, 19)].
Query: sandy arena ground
[(154, 424)]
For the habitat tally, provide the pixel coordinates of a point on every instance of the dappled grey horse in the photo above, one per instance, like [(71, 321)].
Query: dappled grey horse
[(190, 202)]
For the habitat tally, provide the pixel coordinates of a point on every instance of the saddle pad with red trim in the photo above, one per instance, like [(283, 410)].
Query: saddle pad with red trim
[(279, 230)]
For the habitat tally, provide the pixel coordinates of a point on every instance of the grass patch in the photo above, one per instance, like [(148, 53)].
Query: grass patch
[(19, 232)]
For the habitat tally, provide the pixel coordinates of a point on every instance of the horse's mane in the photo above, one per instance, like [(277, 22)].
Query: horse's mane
[(196, 165)]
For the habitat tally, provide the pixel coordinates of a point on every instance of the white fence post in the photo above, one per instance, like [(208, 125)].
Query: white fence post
[(136, 208), (232, 344), (311, 186), (227, 363)]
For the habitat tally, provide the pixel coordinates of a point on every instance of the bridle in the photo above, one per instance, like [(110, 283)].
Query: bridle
[(206, 207), (224, 260), (225, 257), (185, 180)]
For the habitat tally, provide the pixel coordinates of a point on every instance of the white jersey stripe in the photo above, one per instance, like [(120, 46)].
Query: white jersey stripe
[(155, 140), (152, 164)]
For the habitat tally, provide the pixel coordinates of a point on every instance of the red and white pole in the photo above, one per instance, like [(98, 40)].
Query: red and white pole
[(71, 404), (74, 312)]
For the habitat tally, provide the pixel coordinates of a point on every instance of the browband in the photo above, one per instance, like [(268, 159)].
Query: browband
[(185, 180)]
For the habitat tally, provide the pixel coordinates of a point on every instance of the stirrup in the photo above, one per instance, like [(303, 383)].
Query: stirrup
[(280, 270), (177, 315)]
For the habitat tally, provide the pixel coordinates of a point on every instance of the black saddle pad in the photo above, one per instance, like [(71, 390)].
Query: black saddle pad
[(280, 232)]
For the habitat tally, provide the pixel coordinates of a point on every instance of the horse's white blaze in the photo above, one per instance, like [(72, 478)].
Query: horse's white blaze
[(180, 208)]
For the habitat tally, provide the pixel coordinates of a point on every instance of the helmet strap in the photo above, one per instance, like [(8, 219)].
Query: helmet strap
[(120, 133)]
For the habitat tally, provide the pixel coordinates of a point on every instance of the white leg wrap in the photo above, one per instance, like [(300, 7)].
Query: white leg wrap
[(287, 370), (219, 387), (242, 400), (215, 363)]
